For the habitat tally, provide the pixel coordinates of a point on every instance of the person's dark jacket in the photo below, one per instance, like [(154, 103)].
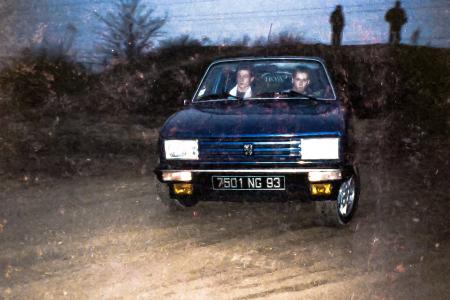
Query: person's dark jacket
[(396, 17), (337, 20)]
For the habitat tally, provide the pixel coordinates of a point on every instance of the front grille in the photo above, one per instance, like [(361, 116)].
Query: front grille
[(280, 149)]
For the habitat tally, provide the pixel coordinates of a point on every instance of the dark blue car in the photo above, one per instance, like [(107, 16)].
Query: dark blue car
[(261, 129)]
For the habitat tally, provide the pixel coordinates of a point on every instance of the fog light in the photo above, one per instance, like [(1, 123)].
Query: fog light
[(183, 188), (324, 175), (177, 176), (319, 189)]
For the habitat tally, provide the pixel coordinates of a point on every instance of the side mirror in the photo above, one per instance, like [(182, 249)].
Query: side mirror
[(186, 102)]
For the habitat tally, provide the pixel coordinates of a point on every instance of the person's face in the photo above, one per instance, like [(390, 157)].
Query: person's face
[(299, 82), (244, 79)]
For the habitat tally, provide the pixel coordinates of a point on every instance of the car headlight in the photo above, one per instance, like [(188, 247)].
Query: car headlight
[(181, 149), (320, 148)]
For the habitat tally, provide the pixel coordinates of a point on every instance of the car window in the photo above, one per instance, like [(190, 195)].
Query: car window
[(262, 79)]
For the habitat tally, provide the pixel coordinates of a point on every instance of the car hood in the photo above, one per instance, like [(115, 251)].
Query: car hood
[(255, 118)]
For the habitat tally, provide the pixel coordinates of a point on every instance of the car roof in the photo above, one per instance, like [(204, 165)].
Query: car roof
[(233, 59)]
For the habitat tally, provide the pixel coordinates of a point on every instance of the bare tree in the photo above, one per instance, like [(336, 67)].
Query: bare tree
[(56, 46), (20, 21), (130, 31)]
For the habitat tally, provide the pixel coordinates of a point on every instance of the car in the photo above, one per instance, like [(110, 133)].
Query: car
[(261, 129)]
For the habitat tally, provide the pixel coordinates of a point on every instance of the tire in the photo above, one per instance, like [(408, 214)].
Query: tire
[(340, 211), (172, 204)]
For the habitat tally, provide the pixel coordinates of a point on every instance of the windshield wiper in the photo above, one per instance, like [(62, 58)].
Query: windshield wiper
[(225, 96), (264, 95), (276, 95), (293, 93)]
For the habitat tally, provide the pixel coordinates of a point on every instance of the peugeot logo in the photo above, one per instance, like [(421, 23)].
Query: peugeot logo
[(248, 149)]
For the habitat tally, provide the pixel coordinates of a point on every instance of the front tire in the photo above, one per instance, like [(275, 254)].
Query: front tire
[(341, 211)]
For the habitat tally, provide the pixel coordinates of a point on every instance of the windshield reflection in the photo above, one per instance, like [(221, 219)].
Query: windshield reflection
[(266, 79)]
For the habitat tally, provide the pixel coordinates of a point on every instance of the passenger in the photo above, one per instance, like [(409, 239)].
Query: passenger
[(244, 79), (301, 84), (300, 81)]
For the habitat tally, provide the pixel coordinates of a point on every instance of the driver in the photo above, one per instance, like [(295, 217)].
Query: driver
[(244, 78), (300, 81)]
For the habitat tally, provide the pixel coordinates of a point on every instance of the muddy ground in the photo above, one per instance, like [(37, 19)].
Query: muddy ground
[(106, 237)]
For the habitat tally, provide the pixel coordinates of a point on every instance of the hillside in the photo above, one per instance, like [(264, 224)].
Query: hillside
[(57, 118)]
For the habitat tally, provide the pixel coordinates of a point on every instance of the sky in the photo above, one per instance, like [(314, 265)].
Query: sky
[(225, 20), (365, 19)]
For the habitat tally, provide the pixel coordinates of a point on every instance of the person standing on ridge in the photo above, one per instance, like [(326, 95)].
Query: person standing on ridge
[(396, 17), (337, 25)]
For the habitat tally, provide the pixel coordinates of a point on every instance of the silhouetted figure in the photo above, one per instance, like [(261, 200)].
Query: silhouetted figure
[(337, 25), (396, 17), (415, 37)]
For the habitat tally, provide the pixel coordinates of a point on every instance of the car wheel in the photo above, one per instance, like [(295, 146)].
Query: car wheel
[(173, 204), (341, 211), (347, 201)]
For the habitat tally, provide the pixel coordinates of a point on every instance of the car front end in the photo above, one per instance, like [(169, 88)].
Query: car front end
[(261, 149)]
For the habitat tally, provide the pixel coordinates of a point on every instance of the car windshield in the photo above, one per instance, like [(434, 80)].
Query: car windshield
[(265, 79)]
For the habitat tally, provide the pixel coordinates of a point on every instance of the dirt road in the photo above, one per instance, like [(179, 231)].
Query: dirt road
[(108, 238)]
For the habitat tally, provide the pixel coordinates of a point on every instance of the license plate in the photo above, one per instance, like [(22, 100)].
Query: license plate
[(245, 183)]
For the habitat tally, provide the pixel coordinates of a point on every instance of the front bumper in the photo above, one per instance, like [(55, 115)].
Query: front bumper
[(297, 182)]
